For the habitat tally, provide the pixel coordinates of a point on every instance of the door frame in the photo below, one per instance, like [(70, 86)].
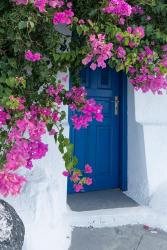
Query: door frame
[(123, 130), (123, 133)]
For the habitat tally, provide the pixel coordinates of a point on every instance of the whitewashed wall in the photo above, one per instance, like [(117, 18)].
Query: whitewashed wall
[(147, 146), (42, 203)]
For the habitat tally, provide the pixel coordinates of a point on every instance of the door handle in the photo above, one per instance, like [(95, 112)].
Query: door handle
[(116, 105)]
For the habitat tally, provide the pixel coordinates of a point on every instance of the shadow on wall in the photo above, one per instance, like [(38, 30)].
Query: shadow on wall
[(138, 188)]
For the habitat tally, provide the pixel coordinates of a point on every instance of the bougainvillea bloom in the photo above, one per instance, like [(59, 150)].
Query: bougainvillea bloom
[(56, 3), (119, 8), (24, 2), (41, 5), (91, 110), (10, 183), (33, 57), (100, 52), (120, 52), (66, 173), (78, 187), (88, 169), (119, 37), (3, 117), (88, 181), (64, 17), (139, 31)]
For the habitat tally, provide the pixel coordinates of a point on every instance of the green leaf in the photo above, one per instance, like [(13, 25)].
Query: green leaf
[(70, 148), (22, 25), (75, 161), (11, 82), (69, 166)]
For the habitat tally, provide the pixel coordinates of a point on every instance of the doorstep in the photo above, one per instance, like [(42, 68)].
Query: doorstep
[(97, 200)]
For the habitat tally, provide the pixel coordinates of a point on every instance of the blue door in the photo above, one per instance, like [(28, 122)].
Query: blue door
[(98, 145)]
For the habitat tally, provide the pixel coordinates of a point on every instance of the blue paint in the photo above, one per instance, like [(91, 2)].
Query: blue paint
[(102, 144), (123, 138)]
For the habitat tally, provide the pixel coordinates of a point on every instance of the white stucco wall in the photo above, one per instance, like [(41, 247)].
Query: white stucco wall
[(147, 145), (42, 203)]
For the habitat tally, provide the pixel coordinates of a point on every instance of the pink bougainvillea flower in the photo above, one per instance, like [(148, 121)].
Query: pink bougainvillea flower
[(69, 5), (87, 59), (122, 21), (17, 103), (118, 7), (78, 187), (90, 110), (52, 132), (24, 2), (66, 173), (93, 66), (88, 169), (33, 57), (139, 31), (148, 18), (75, 177), (164, 62), (100, 51), (120, 52), (129, 29), (81, 21), (164, 47), (132, 70), (56, 3), (55, 116), (64, 17), (10, 183), (137, 10), (88, 181), (119, 37), (148, 51), (4, 116), (41, 5)]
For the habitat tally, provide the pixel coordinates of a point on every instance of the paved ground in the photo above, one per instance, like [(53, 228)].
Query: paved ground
[(120, 238), (104, 199)]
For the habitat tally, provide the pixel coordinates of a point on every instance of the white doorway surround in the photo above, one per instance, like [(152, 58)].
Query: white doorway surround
[(147, 145)]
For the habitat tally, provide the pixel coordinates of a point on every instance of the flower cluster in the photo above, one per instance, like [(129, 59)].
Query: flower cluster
[(133, 35), (78, 180), (25, 133), (88, 112), (118, 7), (147, 75), (25, 138), (16, 103), (85, 110), (163, 61), (10, 183), (41, 4), (64, 17), (4, 116), (33, 57), (100, 52)]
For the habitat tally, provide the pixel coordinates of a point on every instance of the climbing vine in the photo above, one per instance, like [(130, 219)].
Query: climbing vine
[(39, 38)]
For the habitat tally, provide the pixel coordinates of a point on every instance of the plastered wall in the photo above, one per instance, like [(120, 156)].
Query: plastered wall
[(147, 144)]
